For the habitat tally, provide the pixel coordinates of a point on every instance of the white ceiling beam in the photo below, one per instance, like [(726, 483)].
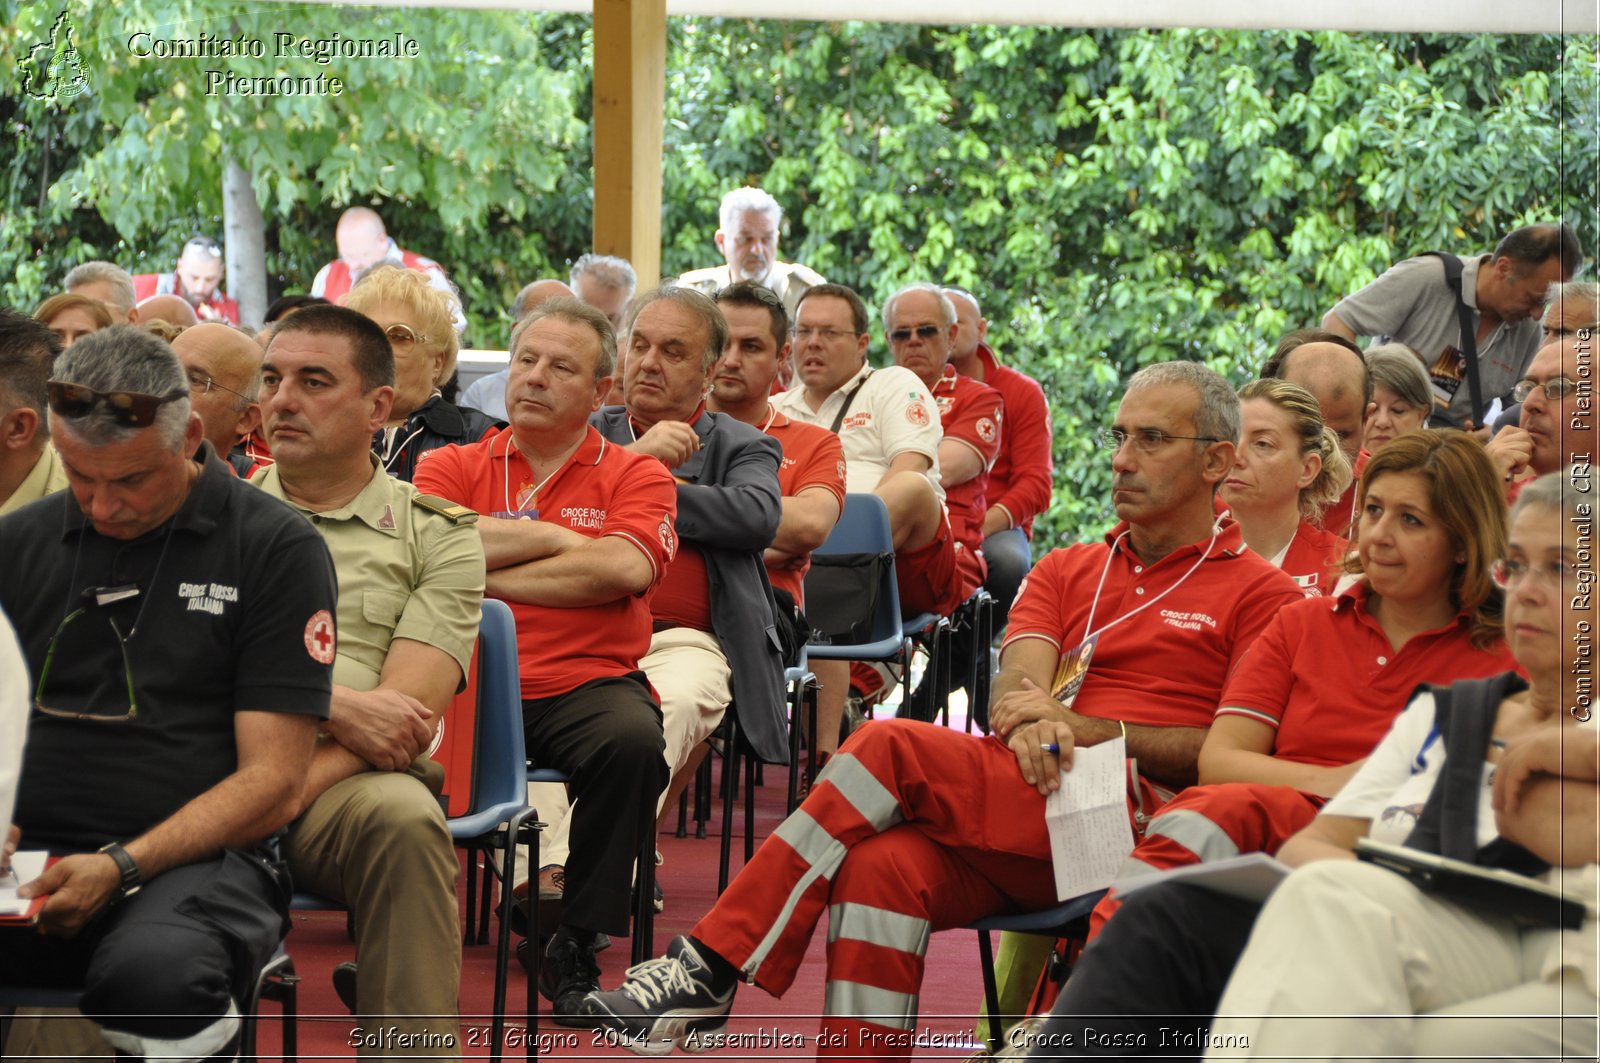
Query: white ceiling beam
[(1388, 16)]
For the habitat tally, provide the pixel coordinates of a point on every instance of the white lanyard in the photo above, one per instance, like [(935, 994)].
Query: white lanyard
[(1089, 630), (505, 480)]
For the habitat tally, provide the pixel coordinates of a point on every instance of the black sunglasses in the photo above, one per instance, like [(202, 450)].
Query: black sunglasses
[(132, 409), (927, 332)]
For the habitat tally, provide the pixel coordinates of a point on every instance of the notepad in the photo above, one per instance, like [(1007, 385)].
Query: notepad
[(1088, 820)]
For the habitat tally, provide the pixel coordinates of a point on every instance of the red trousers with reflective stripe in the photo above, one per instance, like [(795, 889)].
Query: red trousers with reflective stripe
[(910, 824), (1213, 822)]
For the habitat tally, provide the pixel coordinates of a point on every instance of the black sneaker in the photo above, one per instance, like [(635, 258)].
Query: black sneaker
[(567, 974), (674, 1000)]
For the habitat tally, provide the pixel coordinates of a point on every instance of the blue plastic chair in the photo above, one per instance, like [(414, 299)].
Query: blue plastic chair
[(499, 816), (863, 528)]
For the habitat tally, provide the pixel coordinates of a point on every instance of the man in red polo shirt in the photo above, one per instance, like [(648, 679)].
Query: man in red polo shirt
[(920, 324), (812, 475), (576, 532), (197, 278), (1022, 477), (914, 829)]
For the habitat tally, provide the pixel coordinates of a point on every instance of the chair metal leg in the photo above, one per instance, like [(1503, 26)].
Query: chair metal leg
[(991, 992), (730, 776), (752, 772), (702, 797), (468, 935)]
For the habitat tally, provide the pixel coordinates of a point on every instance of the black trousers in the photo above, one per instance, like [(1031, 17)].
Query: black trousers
[(1149, 985), (605, 734), (170, 962)]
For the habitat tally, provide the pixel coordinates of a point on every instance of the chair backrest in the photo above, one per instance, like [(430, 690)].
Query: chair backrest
[(481, 746), (863, 528)]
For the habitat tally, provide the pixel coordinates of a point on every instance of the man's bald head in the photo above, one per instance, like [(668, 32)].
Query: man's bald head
[(173, 309), (361, 237), (1337, 377), (1562, 429), (224, 370), (537, 294)]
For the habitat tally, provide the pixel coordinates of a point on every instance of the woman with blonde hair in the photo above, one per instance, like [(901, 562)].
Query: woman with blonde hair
[(1289, 468), (72, 316), (417, 318)]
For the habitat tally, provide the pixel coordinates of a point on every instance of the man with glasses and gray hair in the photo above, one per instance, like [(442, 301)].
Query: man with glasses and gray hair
[(1558, 414), (197, 279), (914, 829), (179, 685)]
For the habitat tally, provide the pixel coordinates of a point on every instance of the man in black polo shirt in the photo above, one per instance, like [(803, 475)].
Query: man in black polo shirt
[(178, 689)]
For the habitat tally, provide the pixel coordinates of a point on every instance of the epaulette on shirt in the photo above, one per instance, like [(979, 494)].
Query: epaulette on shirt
[(445, 508)]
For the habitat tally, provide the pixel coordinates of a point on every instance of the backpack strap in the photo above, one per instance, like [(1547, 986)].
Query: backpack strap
[(1464, 714), (1469, 331)]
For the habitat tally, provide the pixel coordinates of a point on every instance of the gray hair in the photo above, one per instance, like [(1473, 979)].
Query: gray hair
[(698, 303), (125, 358), (1569, 492), (607, 270), (576, 312), (90, 272), (1582, 292), (744, 201), (946, 307), (1396, 368), (1218, 414)]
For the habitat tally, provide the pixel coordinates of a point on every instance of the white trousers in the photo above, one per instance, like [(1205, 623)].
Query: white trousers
[(692, 677), (1349, 961)]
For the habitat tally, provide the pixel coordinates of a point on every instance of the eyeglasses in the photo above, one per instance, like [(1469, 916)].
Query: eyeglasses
[(403, 337), (203, 383), (131, 409), (1555, 389), (206, 244), (826, 334), (1508, 572), (49, 659), (923, 332), (1145, 440)]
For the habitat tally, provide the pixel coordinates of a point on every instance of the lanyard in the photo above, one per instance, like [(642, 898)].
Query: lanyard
[(1090, 631), (505, 480)]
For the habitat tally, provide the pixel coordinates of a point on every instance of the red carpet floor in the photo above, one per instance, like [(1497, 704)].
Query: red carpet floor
[(780, 1029)]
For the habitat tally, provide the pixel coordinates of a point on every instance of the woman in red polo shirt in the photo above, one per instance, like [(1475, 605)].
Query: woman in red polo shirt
[(1321, 686), (1289, 468)]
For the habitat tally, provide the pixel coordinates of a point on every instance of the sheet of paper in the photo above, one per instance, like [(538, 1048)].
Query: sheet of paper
[(1088, 820), (25, 867), (1248, 876)]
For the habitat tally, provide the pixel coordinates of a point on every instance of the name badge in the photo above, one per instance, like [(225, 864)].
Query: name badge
[(1071, 671)]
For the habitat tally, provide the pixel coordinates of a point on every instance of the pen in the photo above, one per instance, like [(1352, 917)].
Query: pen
[(1051, 747)]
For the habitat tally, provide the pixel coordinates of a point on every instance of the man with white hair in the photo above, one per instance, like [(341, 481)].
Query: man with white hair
[(197, 280), (748, 239)]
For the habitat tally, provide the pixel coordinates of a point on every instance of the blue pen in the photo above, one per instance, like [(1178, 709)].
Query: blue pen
[(1051, 747)]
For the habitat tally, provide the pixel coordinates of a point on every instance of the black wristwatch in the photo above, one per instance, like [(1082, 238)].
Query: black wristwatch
[(127, 868)]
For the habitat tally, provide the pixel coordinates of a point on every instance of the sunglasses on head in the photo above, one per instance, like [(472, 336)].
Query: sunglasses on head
[(132, 409)]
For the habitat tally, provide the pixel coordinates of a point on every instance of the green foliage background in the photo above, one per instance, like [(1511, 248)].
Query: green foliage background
[(1116, 197)]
